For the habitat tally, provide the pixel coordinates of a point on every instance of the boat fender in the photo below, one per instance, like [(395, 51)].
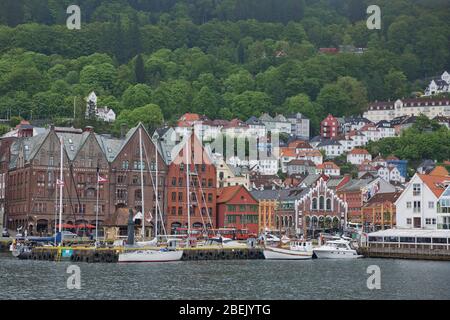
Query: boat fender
[(109, 257)]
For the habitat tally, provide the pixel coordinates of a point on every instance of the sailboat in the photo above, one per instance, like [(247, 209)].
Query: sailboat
[(151, 255)]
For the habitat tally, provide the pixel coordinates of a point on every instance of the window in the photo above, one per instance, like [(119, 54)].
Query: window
[(314, 204), (416, 206), (180, 196), (174, 196), (408, 221), (210, 183), (430, 205), (180, 211), (210, 197), (174, 182), (231, 219), (416, 189), (408, 204), (428, 221), (174, 211)]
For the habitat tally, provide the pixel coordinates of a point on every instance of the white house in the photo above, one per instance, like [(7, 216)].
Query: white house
[(106, 114), (417, 205), (358, 156), (331, 147), (390, 173), (438, 85), (277, 124), (328, 168)]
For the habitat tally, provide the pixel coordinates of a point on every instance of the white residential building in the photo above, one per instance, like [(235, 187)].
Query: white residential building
[(388, 110), (438, 85), (417, 205), (277, 124), (328, 168), (358, 156), (331, 147), (390, 173)]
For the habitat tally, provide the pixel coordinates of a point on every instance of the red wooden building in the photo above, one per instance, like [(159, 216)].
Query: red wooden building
[(237, 208), (202, 187)]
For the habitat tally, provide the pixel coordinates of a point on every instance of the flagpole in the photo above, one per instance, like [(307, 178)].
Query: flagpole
[(142, 184), (96, 210), (156, 192)]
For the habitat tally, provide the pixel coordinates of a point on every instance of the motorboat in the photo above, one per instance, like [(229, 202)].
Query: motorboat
[(336, 249), (162, 255), (298, 250)]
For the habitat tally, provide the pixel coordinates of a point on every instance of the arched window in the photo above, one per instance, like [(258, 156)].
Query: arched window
[(328, 204), (314, 203), (321, 203)]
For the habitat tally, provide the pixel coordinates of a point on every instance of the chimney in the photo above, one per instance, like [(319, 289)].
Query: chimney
[(52, 127), (88, 129), (123, 130)]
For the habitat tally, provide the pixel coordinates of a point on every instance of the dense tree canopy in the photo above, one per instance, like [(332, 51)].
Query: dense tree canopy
[(223, 58)]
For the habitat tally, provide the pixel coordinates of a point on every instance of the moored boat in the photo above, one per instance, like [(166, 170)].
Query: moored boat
[(297, 251), (163, 255), (336, 249)]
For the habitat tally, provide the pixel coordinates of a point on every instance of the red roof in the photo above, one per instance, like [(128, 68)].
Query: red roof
[(435, 183), (359, 151)]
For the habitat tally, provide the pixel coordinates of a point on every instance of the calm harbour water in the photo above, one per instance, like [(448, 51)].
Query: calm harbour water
[(257, 279)]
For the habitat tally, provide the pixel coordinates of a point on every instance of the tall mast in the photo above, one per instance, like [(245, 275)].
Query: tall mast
[(188, 191), (156, 193), (142, 183), (61, 186)]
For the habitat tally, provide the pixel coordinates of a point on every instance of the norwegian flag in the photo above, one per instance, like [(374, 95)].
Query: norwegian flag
[(101, 179), (59, 183)]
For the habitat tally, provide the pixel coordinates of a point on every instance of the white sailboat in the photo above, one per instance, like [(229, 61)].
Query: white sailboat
[(298, 250), (152, 255)]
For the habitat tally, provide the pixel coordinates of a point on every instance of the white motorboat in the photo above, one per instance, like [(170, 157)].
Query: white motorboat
[(336, 249), (162, 255), (297, 251)]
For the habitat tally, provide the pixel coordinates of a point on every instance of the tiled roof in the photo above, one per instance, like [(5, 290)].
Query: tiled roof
[(435, 183), (359, 151)]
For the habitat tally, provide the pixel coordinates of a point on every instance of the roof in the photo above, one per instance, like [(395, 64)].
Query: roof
[(382, 197), (299, 162), (227, 193), (327, 165), (411, 233), (329, 142), (359, 151), (439, 171), (435, 183), (356, 184)]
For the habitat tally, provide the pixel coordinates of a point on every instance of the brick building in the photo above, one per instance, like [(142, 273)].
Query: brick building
[(203, 192), (34, 166), (320, 210)]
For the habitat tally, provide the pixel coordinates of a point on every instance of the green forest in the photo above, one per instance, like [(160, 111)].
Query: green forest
[(157, 59)]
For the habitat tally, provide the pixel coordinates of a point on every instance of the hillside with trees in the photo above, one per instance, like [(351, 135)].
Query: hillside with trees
[(222, 58)]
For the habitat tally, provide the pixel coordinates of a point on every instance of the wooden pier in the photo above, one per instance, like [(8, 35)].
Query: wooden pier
[(111, 255), (405, 253)]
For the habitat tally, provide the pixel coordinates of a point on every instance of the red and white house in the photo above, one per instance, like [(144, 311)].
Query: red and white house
[(358, 156)]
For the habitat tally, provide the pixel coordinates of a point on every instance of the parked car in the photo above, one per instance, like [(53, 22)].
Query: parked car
[(69, 235)]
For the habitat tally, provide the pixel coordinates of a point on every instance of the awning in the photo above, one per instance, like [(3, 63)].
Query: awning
[(85, 226), (66, 226)]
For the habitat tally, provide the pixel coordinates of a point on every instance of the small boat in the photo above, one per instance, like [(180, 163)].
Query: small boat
[(336, 249), (163, 255), (298, 250)]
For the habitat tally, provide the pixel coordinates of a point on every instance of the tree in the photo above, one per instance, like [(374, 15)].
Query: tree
[(395, 83), (150, 115), (206, 102), (137, 96), (139, 69), (250, 103)]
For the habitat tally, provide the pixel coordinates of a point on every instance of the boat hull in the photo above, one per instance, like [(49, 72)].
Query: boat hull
[(150, 256), (336, 254), (285, 254)]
